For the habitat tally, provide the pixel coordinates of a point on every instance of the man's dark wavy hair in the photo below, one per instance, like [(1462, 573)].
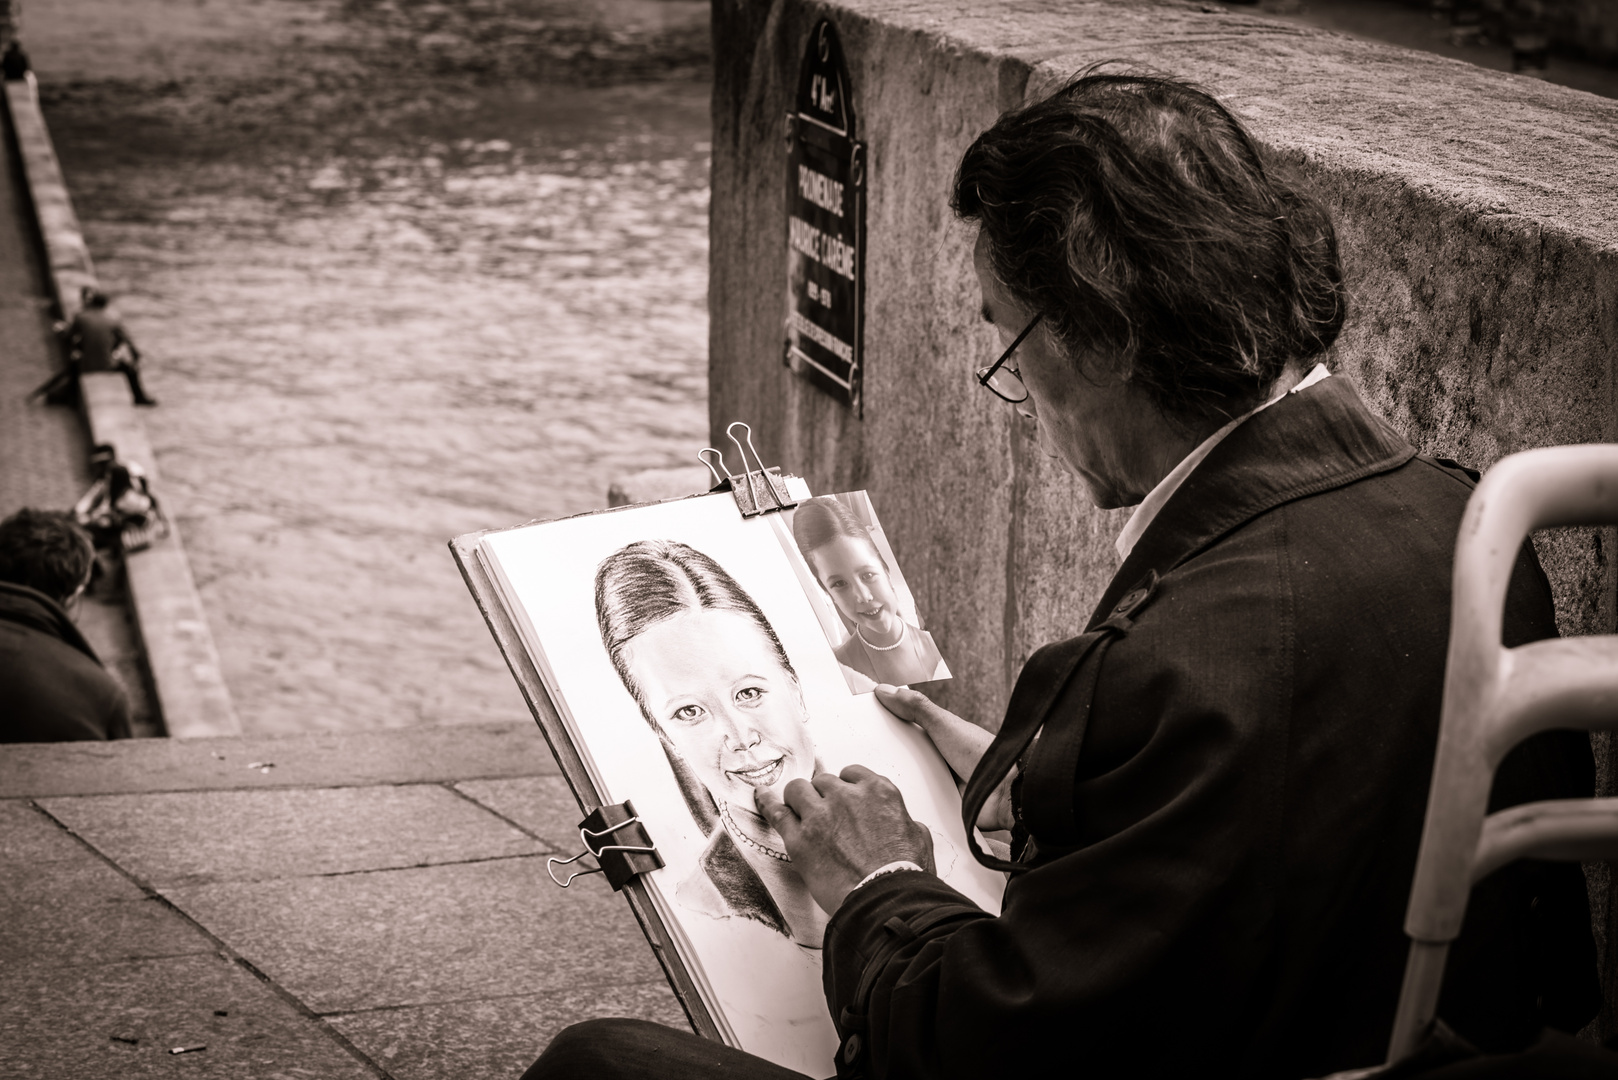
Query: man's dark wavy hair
[(1138, 217), (45, 550)]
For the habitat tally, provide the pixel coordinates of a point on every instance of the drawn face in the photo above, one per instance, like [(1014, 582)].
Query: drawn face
[(712, 681), (851, 571)]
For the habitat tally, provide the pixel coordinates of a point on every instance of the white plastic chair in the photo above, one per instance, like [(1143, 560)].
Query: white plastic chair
[(1494, 698)]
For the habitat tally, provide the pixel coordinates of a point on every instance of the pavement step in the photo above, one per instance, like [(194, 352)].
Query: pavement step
[(357, 904), (100, 979)]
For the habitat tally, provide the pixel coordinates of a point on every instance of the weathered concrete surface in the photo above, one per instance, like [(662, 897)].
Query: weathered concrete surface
[(65, 906), (543, 805), (182, 839), (100, 979), (374, 905), (653, 485), (474, 1038), (66, 255), (1477, 218), (327, 759), (122, 1020), (180, 654), (392, 938)]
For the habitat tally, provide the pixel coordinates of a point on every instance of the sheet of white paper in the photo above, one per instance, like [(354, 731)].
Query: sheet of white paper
[(764, 982)]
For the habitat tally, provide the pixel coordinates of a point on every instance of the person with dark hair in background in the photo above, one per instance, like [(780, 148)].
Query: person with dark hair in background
[(97, 341), (1216, 792), (52, 685)]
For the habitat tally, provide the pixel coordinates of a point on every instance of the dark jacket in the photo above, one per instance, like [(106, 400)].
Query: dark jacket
[(52, 686), (1223, 888), (95, 335)]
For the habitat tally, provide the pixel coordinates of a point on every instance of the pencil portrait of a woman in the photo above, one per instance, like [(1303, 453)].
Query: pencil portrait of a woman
[(712, 680)]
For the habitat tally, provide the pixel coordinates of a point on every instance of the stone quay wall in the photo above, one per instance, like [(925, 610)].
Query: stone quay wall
[(1476, 213)]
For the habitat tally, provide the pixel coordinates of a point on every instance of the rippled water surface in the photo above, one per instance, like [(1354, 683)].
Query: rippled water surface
[(457, 320)]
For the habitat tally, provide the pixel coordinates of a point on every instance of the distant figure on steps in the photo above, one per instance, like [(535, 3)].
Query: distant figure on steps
[(14, 63)]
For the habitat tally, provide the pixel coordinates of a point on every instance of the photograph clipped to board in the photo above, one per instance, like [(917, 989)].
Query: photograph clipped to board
[(685, 657)]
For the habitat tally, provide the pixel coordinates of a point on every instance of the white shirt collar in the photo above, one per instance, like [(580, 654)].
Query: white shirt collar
[(1148, 509)]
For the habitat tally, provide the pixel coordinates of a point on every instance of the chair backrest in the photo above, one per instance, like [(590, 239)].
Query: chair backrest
[(1494, 698)]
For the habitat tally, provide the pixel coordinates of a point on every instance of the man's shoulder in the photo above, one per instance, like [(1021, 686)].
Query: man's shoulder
[(1398, 518), (55, 692)]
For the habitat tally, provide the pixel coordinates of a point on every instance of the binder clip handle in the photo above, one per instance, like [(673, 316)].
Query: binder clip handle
[(716, 466), (616, 837), (750, 487)]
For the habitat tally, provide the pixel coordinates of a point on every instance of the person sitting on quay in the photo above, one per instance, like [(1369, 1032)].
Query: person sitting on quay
[(14, 62), (1216, 829), (53, 687), (97, 341)]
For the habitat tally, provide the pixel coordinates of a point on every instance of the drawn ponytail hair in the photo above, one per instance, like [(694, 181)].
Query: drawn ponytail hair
[(641, 585)]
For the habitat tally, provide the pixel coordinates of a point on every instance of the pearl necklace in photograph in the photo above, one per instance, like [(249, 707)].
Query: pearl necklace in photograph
[(736, 831), (903, 629)]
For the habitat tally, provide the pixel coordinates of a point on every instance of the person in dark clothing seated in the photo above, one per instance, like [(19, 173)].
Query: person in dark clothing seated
[(52, 685), (97, 341), (14, 62), (1215, 792)]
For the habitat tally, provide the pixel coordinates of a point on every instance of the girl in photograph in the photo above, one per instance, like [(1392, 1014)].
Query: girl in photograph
[(882, 645), (712, 680)]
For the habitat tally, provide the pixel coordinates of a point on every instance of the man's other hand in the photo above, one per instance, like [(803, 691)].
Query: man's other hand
[(960, 741), (839, 828)]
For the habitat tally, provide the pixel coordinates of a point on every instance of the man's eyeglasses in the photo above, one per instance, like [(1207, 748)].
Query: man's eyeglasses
[(1003, 379)]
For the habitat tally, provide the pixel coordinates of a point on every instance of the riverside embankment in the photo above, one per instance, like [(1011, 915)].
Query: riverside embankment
[(400, 271)]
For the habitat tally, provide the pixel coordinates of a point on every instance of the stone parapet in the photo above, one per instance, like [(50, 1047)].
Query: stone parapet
[(1476, 214)]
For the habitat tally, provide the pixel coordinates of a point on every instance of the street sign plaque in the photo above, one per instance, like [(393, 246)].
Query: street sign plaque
[(825, 189)]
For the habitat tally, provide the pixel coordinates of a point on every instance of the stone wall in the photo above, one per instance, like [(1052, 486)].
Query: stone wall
[(1476, 212)]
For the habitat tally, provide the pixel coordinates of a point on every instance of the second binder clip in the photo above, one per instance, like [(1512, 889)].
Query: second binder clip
[(757, 491), (622, 849)]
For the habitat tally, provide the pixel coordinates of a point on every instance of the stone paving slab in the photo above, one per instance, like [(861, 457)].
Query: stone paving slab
[(455, 970), (197, 838), (61, 905), (430, 935), (543, 805), (120, 1021), (494, 1039), (335, 759)]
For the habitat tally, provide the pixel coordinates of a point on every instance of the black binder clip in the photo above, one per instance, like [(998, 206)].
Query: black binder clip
[(753, 485), (615, 836)]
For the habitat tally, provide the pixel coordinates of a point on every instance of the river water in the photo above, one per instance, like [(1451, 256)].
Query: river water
[(390, 304)]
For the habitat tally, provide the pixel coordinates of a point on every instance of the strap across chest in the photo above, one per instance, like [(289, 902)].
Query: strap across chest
[(1054, 693)]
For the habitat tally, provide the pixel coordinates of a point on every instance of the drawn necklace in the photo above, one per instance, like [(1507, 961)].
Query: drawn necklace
[(886, 648), (736, 831)]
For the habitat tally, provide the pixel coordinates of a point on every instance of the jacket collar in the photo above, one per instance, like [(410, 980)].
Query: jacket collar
[(33, 609), (1309, 442)]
